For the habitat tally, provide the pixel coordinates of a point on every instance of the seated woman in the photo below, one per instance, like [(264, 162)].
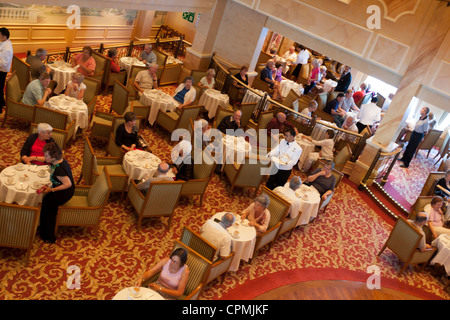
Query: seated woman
[(85, 62), (32, 151), (185, 93), (444, 183), (76, 87), (326, 151), (112, 54), (174, 275), (242, 77), (436, 217), (323, 180), (208, 81), (127, 133), (258, 214)]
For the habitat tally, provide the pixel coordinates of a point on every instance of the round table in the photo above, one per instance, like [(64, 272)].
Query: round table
[(127, 62), (309, 203), (173, 60), (243, 244), (211, 99), (139, 164), (25, 181), (146, 294), (76, 109), (442, 257), (288, 85), (307, 148), (252, 97), (62, 73), (157, 100), (235, 148)]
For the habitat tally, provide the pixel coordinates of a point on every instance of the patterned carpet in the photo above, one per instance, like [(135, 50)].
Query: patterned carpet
[(339, 244)]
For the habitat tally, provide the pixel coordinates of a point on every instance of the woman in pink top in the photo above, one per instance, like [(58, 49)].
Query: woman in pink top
[(173, 277), (85, 61), (436, 217), (258, 214), (314, 76)]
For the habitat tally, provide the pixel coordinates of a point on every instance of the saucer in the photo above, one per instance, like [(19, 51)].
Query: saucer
[(19, 169), (21, 187), (35, 185), (9, 173), (10, 184)]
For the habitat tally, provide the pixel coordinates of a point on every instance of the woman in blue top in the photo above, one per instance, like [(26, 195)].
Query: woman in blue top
[(185, 93)]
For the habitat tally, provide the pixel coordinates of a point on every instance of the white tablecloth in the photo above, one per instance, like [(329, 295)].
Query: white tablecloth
[(251, 97), (307, 148), (442, 257), (173, 60), (76, 109), (309, 203), (127, 62), (157, 100), (320, 130), (235, 148), (146, 294), (139, 164), (212, 99), (62, 73), (244, 245), (287, 85), (23, 192)]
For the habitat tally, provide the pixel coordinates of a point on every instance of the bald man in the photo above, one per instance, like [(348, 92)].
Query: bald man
[(279, 122)]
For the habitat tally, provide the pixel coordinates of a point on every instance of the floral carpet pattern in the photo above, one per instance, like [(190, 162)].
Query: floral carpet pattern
[(342, 241)]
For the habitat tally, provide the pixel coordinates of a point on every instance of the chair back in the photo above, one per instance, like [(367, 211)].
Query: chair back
[(101, 64), (261, 85), (197, 243), (134, 71), (278, 207), (342, 157), (430, 140), (249, 173), (220, 114), (304, 73), (321, 100), (418, 206), (91, 93), (247, 111), (89, 161), (404, 239), (187, 113), (264, 119), (431, 182), (23, 71), (204, 169), (198, 75), (381, 100), (13, 88), (162, 197), (119, 98), (161, 58), (56, 119), (290, 98), (99, 192)]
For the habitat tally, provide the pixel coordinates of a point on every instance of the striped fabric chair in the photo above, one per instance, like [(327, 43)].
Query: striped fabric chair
[(287, 224), (404, 241), (90, 94), (133, 92), (111, 77), (93, 167), (13, 97), (60, 136), (220, 114), (247, 111), (171, 121), (86, 207), (18, 226), (57, 119), (119, 101), (278, 209), (159, 201), (200, 245), (23, 71)]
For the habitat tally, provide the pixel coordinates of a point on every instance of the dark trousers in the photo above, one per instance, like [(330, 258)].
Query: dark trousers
[(309, 87), (360, 126), (2, 88), (278, 179), (49, 211), (411, 148)]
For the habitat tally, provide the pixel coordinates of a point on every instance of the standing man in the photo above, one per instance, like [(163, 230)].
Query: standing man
[(369, 114), (148, 55), (6, 55), (287, 152), (302, 59), (345, 80), (420, 130)]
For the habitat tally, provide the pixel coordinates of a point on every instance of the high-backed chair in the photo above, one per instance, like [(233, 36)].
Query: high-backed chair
[(86, 207), (429, 141), (418, 206), (171, 121), (290, 98), (303, 75), (278, 208), (161, 58), (198, 75), (200, 245), (159, 201), (247, 111), (18, 227), (101, 64), (90, 94), (23, 71), (247, 174), (119, 101), (110, 76), (220, 114), (57, 119), (444, 147), (322, 100), (264, 119), (93, 167), (404, 241), (13, 97), (431, 182), (342, 157), (288, 224), (61, 137), (261, 85), (203, 173)]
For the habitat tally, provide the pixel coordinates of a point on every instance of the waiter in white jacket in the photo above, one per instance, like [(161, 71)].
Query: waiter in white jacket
[(6, 55), (285, 155)]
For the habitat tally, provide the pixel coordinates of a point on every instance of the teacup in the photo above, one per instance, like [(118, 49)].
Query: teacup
[(20, 166), (42, 173), (36, 185), (236, 233), (135, 291), (10, 180)]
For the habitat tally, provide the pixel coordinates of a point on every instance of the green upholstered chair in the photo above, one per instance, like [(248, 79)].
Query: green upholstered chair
[(13, 97), (247, 111), (57, 119), (429, 141), (86, 207), (418, 206), (90, 94), (220, 114), (431, 182), (342, 157), (23, 71), (119, 101), (101, 64), (288, 224), (60, 136), (18, 226), (110, 77), (159, 201), (404, 240), (171, 121), (261, 85)]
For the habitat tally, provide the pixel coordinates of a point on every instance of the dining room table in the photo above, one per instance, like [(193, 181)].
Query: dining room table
[(442, 257), (243, 238), (76, 109), (320, 129), (309, 203), (307, 148), (127, 62), (288, 85), (157, 100), (20, 183), (62, 72), (235, 148), (212, 99), (142, 293)]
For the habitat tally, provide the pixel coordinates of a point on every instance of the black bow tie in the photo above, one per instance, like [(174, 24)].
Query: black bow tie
[(287, 143)]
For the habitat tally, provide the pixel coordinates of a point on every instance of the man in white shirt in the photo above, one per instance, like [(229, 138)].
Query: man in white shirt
[(326, 152), (160, 175), (146, 79), (288, 192), (290, 57), (348, 103), (286, 155), (216, 233), (369, 114), (302, 59), (6, 55)]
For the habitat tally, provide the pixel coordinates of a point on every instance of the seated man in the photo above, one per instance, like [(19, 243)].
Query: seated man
[(160, 175), (369, 114), (291, 57), (326, 151), (216, 233), (332, 107), (421, 220), (231, 122), (279, 123), (146, 79), (266, 76), (347, 103), (37, 91), (349, 125), (183, 168), (37, 65), (147, 54), (288, 191)]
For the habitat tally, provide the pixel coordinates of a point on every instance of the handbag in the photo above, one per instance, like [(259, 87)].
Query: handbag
[(141, 143)]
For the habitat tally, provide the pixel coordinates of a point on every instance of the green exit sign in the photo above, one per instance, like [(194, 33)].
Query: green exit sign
[(189, 16)]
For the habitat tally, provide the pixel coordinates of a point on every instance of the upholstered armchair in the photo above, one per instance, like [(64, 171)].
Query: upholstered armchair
[(90, 94), (18, 227), (171, 121), (261, 85), (431, 182), (247, 111), (291, 97), (342, 157), (86, 207), (220, 114), (23, 71), (288, 224), (429, 141), (200, 245), (159, 201), (119, 101), (13, 97), (110, 77), (101, 64), (57, 119), (60, 136), (404, 241), (278, 208)]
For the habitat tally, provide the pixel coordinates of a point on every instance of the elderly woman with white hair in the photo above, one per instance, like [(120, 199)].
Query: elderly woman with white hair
[(208, 82), (31, 152), (257, 213), (76, 87)]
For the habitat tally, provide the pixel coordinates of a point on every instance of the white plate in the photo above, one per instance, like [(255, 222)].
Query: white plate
[(21, 186), (245, 223), (36, 185), (19, 169), (136, 164), (9, 173), (10, 184)]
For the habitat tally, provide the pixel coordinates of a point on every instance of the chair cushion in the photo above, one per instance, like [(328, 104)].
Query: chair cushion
[(114, 169), (77, 201), (172, 115)]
